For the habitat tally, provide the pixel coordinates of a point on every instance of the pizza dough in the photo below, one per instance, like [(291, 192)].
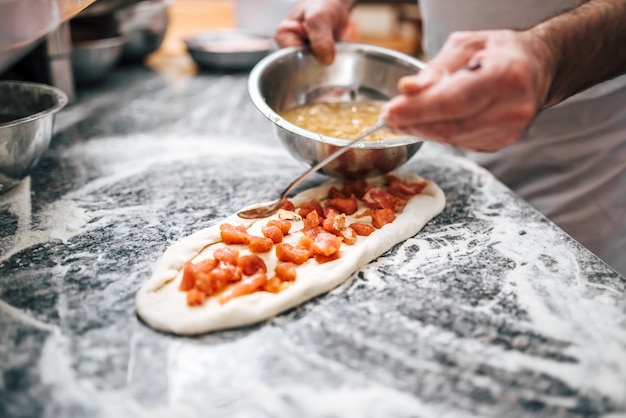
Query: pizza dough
[(162, 306)]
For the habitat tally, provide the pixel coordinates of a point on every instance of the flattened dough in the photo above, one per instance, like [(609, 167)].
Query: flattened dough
[(162, 306)]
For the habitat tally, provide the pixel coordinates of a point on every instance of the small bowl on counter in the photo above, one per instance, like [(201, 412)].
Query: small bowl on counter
[(93, 60), (26, 120), (143, 25), (228, 50), (292, 77)]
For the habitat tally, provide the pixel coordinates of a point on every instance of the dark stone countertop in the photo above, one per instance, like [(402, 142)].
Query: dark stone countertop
[(490, 310)]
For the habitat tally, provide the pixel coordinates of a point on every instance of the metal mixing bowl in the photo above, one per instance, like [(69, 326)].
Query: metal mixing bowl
[(293, 76), (92, 60), (143, 25), (26, 119)]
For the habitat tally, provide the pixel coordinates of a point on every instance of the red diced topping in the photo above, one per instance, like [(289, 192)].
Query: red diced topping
[(260, 244), (382, 217), (287, 252), (362, 229), (252, 263), (326, 244), (273, 232), (234, 234)]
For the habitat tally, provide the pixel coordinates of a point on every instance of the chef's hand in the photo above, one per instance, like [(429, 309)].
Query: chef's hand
[(319, 23), (482, 110)]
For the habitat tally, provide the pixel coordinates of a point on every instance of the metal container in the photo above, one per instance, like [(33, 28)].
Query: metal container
[(143, 25), (26, 120), (92, 60), (228, 50), (293, 76)]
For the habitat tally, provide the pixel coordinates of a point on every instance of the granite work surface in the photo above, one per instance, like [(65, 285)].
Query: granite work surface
[(490, 310)]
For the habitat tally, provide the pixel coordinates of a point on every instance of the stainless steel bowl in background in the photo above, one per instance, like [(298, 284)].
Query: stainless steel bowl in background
[(92, 60), (26, 120), (229, 50), (293, 76), (143, 25)]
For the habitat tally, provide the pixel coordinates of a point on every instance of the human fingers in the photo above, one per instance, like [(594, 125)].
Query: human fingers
[(324, 22), (290, 33)]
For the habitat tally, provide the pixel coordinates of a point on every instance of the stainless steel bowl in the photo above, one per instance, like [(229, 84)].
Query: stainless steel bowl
[(293, 76), (143, 25), (26, 120), (228, 50), (93, 60)]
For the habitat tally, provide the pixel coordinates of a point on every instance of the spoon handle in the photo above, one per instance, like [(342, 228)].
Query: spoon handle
[(331, 157)]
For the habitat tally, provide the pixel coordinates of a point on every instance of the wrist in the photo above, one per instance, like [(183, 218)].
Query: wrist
[(546, 55)]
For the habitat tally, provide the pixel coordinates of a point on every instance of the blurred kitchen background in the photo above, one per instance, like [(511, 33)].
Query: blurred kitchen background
[(75, 44)]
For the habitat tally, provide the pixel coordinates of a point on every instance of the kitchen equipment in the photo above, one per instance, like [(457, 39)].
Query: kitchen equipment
[(92, 60), (26, 120), (228, 49), (143, 25), (293, 76), (267, 209)]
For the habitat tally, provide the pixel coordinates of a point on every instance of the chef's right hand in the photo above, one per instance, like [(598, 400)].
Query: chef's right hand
[(318, 23)]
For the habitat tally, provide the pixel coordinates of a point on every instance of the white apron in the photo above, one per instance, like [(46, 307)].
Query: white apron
[(571, 164)]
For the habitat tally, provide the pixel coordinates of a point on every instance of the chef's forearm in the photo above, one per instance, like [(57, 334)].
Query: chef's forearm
[(587, 44)]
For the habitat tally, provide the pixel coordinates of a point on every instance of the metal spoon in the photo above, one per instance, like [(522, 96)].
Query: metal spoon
[(265, 210)]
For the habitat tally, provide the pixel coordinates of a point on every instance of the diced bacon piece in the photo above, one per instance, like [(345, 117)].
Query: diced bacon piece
[(287, 252), (272, 232), (362, 228), (335, 193), (260, 244), (312, 220), (348, 234), (189, 277), (245, 287), (284, 225), (288, 206), (235, 273), (228, 255), (321, 259), (252, 263), (273, 285), (326, 244), (381, 217), (220, 278), (286, 271), (343, 205), (313, 232), (307, 207), (195, 297), (232, 234), (334, 222), (354, 187), (305, 241), (403, 190), (376, 198)]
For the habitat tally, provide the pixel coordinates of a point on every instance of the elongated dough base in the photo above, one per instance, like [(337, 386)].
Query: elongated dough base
[(162, 306)]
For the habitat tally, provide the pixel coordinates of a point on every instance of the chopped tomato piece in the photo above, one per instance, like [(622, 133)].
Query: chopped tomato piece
[(343, 205), (286, 271), (272, 232), (228, 255), (232, 234), (245, 287), (326, 244), (195, 297), (362, 229), (260, 244), (312, 220), (308, 207), (284, 225), (381, 217), (287, 252), (252, 263)]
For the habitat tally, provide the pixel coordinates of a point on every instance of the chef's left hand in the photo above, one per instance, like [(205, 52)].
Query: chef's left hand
[(481, 110)]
